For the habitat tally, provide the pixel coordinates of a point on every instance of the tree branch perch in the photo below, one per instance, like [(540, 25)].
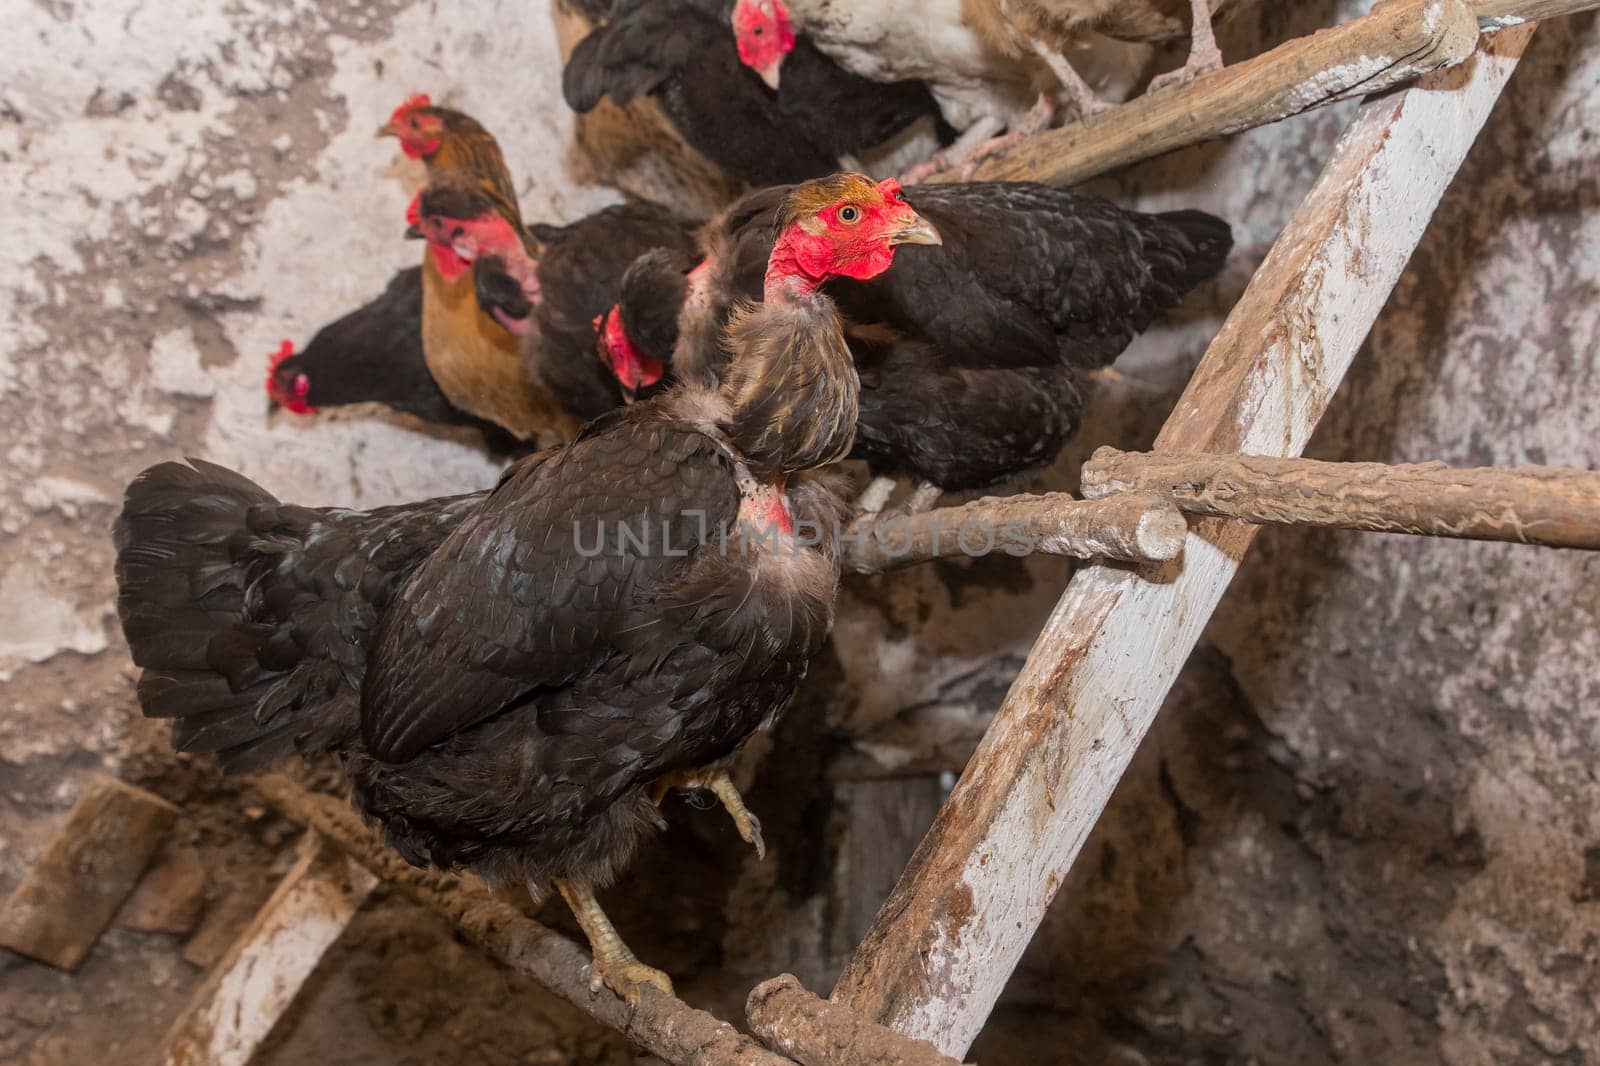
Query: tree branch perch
[(1135, 528), (818, 1033), (661, 1024), (1554, 506)]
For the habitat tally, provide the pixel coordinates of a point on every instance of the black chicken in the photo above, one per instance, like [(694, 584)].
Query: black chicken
[(682, 53), (971, 356), (508, 675), (373, 355), (580, 272)]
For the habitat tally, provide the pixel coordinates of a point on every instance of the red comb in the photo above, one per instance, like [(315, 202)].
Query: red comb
[(292, 399), (415, 100), (889, 188), (414, 210)]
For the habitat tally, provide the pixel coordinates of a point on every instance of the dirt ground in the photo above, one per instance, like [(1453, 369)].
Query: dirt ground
[(1364, 828)]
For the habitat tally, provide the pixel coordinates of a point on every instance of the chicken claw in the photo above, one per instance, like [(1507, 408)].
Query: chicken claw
[(720, 785), (615, 966), (1204, 55)]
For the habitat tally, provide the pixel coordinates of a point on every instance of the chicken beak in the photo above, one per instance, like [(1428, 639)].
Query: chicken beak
[(915, 230), (388, 130), (770, 75), (413, 232)]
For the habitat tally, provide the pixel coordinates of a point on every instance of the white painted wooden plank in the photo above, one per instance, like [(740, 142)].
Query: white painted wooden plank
[(948, 938), (254, 983)]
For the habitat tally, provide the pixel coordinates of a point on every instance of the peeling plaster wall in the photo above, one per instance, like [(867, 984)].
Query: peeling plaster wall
[(1363, 830)]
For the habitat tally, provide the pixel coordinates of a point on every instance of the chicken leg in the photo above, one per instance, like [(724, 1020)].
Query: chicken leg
[(1079, 94), (967, 159), (614, 966), (721, 786), (963, 149), (1204, 55)]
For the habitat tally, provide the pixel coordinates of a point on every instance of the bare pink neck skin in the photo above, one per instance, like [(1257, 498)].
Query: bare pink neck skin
[(792, 270), (801, 261)]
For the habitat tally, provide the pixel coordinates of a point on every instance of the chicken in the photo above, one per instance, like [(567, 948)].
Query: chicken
[(561, 300), (680, 53), (472, 351), (445, 139), (1049, 28), (506, 679), (971, 355), (581, 267), (372, 355)]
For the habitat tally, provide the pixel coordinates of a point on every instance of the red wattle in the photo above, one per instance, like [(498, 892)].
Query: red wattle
[(632, 368)]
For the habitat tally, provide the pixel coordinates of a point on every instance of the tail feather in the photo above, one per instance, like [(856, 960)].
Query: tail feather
[(195, 544)]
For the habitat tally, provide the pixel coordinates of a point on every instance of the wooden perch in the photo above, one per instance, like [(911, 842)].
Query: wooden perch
[(1547, 505), (1136, 528), (69, 897), (814, 1032), (947, 938), (661, 1024), (232, 1013)]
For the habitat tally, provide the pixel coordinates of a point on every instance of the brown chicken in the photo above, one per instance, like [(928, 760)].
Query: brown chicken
[(473, 353), (1049, 28)]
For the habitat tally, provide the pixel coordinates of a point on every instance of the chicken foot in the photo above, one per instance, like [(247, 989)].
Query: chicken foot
[(962, 150), (1036, 121), (922, 498), (1204, 55), (875, 496), (615, 966), (721, 786)]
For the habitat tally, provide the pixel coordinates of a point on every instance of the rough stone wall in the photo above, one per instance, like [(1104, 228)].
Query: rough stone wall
[(1363, 829)]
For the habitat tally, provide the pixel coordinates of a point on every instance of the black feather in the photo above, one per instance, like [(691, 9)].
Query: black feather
[(683, 53)]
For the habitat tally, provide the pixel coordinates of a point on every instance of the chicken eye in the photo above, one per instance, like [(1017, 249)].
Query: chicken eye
[(849, 213), (759, 30)]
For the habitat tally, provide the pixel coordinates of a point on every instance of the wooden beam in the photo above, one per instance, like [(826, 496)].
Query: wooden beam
[(948, 937), (661, 1024), (815, 1032), (1503, 14), (1398, 41), (234, 1010), (1554, 506), (1137, 528), (69, 897)]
